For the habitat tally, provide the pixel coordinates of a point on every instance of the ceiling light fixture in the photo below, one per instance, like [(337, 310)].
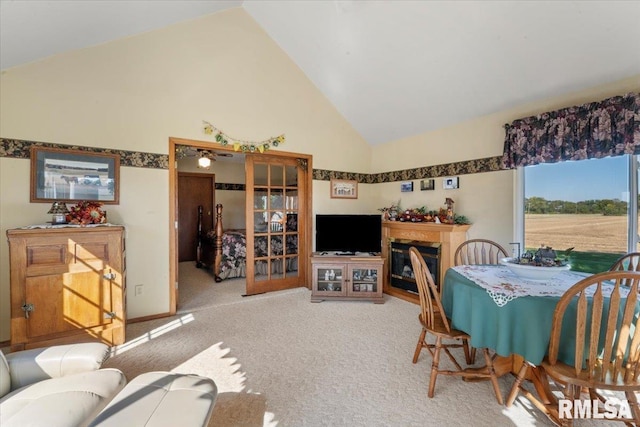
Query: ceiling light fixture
[(204, 162)]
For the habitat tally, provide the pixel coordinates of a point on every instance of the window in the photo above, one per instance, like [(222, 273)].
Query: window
[(585, 205)]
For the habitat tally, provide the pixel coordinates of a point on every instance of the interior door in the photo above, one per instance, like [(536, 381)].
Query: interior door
[(194, 189), (276, 203)]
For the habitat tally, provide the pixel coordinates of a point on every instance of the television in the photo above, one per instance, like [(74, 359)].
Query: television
[(348, 233)]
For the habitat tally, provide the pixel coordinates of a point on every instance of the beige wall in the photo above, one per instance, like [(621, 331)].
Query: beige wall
[(487, 199), (135, 93)]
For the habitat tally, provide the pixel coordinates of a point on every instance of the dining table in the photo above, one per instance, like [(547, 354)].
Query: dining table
[(510, 315)]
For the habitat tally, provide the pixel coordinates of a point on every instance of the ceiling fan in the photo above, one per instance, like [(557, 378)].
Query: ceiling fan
[(204, 156)]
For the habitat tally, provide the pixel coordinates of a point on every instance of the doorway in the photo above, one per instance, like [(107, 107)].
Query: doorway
[(194, 189), (304, 219)]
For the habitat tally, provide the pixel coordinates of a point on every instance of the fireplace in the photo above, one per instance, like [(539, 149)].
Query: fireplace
[(401, 271)]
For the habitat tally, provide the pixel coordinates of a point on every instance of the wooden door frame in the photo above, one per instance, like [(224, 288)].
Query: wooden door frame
[(173, 208)]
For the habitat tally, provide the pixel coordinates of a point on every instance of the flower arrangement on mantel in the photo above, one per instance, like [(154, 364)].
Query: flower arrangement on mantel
[(87, 213), (421, 214)]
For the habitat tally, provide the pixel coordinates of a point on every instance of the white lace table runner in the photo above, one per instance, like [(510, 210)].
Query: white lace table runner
[(504, 286), (66, 225)]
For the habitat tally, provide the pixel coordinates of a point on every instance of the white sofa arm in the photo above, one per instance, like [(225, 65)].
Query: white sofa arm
[(30, 366)]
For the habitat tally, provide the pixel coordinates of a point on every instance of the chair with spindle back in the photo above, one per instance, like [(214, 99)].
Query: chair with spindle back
[(629, 262), (604, 328), (479, 251), (434, 321), (476, 252)]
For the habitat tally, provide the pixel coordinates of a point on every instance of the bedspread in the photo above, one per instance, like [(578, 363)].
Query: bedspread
[(233, 262)]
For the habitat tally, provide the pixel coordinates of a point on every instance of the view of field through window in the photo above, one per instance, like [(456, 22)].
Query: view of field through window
[(579, 204)]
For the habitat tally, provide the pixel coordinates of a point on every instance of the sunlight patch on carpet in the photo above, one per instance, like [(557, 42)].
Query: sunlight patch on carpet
[(269, 420), (152, 334), (214, 363)]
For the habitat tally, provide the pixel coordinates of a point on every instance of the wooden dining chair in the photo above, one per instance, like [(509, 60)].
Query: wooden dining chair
[(434, 321), (479, 251), (607, 351), (629, 262)]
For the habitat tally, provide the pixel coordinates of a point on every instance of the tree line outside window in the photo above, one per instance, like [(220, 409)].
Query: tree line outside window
[(607, 207)]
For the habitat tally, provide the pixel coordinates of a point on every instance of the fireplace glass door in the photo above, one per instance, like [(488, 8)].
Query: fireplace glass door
[(401, 270)]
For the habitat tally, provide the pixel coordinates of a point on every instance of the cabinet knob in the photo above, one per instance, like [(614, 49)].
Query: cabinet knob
[(109, 276), (27, 308)]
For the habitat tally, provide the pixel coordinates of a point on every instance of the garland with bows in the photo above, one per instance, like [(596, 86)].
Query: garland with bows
[(240, 145)]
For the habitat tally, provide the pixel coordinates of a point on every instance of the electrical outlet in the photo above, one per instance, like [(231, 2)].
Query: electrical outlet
[(138, 290)]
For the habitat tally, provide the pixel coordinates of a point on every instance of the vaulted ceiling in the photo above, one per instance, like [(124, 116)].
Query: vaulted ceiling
[(393, 69)]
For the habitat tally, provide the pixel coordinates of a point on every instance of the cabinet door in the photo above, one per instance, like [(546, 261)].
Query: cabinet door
[(79, 297), (329, 280), (67, 302), (363, 280)]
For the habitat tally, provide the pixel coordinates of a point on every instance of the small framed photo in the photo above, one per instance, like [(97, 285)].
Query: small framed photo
[(344, 189), (427, 184), (59, 174), (406, 187), (450, 182)]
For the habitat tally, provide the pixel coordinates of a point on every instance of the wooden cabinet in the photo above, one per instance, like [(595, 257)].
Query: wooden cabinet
[(347, 278), (67, 285), (449, 236)]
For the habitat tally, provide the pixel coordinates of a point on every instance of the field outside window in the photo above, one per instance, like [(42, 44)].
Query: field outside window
[(582, 205)]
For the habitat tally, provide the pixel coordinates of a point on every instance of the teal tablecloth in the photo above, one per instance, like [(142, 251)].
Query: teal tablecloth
[(522, 326)]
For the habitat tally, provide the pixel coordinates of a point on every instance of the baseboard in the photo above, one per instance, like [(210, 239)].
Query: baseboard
[(151, 317)]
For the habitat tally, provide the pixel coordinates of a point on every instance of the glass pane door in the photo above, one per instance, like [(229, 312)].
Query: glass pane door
[(274, 200)]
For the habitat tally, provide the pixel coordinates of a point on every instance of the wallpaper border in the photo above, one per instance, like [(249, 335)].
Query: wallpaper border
[(488, 164), (20, 149)]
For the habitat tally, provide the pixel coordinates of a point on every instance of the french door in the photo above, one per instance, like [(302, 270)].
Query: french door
[(277, 231)]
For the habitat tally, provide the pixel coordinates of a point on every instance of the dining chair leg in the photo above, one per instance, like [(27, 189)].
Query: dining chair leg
[(594, 395), (473, 355), (492, 375), (633, 404), (516, 385), (569, 393), (434, 366), (467, 352), (421, 343)]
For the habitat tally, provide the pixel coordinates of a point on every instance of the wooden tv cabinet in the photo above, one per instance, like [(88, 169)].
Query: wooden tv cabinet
[(346, 277)]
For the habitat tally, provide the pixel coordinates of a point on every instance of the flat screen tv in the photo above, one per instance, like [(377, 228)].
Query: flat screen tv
[(348, 233)]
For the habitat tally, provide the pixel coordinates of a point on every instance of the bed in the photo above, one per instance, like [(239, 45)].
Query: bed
[(228, 257)]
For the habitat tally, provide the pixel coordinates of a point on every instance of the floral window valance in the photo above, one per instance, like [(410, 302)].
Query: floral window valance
[(599, 129)]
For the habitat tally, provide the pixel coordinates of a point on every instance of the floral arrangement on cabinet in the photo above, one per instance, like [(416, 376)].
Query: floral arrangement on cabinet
[(87, 213)]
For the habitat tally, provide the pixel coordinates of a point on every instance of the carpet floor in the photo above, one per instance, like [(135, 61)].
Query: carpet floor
[(280, 360)]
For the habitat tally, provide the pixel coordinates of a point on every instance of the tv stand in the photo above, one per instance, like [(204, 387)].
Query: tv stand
[(347, 277), (346, 253)]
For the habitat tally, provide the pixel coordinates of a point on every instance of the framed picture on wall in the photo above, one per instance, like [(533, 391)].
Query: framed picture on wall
[(427, 184), (450, 183), (344, 189), (73, 175), (406, 186)]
